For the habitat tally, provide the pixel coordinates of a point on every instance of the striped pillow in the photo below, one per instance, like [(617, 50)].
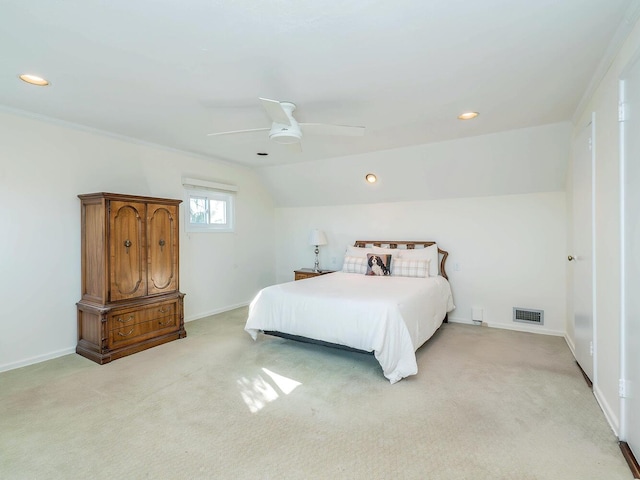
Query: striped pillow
[(410, 268), (354, 264)]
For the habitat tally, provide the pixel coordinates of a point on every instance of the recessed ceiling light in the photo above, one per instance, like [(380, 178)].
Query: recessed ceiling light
[(468, 115), (34, 80), (371, 178)]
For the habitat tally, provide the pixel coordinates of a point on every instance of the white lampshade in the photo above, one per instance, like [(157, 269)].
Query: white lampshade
[(317, 237)]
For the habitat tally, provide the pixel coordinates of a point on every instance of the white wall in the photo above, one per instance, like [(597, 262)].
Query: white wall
[(44, 166), (604, 103), (510, 249), (526, 160)]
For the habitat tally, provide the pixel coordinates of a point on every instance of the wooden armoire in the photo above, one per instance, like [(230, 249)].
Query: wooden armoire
[(130, 275)]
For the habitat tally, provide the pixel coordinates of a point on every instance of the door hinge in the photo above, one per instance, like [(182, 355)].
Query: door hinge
[(591, 349), (622, 112), (622, 388)]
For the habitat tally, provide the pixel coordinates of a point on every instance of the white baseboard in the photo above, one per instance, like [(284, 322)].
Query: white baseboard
[(614, 421), (198, 316), (571, 345), (517, 328), (461, 320), (66, 351), (37, 359)]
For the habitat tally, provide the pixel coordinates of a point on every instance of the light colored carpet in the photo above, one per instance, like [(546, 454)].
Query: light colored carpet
[(486, 404)]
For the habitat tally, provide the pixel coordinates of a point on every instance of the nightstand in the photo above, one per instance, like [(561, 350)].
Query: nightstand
[(303, 273)]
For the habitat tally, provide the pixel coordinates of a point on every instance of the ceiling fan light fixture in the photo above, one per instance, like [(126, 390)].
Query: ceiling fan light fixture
[(468, 115), (285, 134), (285, 138)]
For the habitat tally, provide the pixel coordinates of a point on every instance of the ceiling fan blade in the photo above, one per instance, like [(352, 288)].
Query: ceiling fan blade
[(275, 111), (326, 129), (237, 131)]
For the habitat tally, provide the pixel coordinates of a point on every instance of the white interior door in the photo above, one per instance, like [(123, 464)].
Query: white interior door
[(630, 125), (582, 263)]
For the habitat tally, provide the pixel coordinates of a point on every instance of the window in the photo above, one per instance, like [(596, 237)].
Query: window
[(209, 206)]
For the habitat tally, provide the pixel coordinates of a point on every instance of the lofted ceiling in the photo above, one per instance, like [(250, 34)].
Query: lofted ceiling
[(169, 73)]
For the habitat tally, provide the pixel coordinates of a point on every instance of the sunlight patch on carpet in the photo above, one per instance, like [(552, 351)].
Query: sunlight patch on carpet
[(261, 390)]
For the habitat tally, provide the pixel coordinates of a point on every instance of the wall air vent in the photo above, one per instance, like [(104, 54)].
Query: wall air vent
[(527, 315)]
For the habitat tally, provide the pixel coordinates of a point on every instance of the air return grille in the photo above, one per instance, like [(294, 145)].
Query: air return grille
[(527, 315)]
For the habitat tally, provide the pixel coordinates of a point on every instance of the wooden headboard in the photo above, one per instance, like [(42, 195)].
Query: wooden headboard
[(409, 245)]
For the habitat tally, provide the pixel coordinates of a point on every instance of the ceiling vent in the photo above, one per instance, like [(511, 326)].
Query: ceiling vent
[(527, 315)]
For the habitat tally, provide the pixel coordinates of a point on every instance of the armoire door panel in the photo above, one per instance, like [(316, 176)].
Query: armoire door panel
[(94, 259), (162, 248), (127, 250)]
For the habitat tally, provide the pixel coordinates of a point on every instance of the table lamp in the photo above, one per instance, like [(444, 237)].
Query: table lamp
[(317, 238)]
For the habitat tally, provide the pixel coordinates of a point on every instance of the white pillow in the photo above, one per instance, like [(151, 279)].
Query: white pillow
[(362, 251), (354, 264), (357, 252), (430, 253), (410, 268)]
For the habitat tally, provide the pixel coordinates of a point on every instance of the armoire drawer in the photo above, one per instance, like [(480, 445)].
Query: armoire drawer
[(129, 334), (121, 319)]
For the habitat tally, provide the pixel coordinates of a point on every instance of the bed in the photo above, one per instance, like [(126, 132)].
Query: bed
[(390, 315)]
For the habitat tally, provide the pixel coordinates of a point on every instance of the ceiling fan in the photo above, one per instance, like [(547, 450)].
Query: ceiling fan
[(286, 130)]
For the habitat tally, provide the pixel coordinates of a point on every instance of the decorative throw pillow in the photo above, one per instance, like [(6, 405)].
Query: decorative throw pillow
[(378, 264), (354, 264), (411, 268), (429, 253)]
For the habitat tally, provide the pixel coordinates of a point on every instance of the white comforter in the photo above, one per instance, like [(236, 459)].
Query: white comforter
[(390, 316)]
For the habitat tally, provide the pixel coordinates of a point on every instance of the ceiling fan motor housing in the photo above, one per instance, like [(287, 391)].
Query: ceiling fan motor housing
[(286, 134)]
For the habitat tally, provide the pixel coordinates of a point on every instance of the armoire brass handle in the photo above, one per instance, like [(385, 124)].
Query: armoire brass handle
[(131, 317), (571, 257), (126, 334)]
